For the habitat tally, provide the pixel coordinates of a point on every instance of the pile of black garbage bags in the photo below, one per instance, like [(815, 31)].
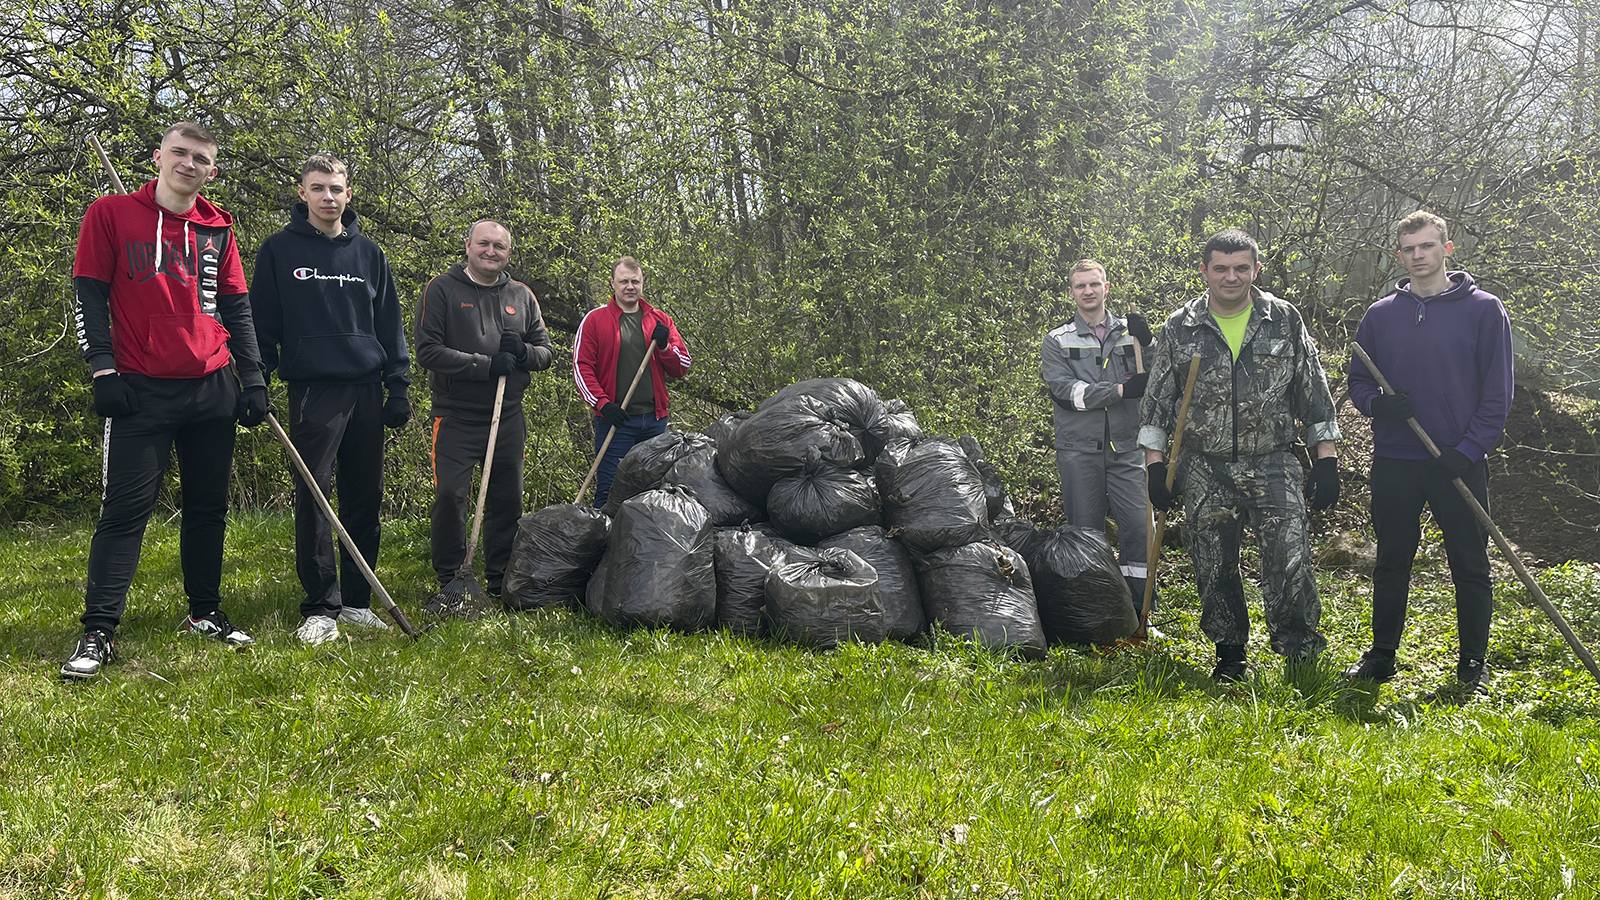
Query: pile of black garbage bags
[(824, 516)]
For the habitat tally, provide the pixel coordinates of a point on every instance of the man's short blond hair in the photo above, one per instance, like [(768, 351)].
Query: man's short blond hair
[(626, 262), (323, 162), (1419, 220), (194, 131), (1085, 265)]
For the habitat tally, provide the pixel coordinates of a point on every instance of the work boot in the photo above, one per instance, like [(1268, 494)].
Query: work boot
[(94, 651), (361, 617), (215, 625), (1231, 665), (1376, 666), (318, 630), (1473, 676)]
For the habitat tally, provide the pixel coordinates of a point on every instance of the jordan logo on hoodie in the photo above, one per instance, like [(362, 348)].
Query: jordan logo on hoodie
[(197, 263)]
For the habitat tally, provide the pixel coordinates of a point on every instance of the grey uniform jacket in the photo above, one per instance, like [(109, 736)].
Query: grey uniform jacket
[(1244, 408), (1083, 377)]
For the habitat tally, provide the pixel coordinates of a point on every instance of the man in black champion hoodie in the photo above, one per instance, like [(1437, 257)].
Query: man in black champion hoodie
[(328, 320)]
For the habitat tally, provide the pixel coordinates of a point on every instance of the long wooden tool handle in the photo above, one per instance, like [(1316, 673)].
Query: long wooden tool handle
[(488, 466), (1153, 554), (606, 444), (344, 536), (105, 160), (1494, 531)]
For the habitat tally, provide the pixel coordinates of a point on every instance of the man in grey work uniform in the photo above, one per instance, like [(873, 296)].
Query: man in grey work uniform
[(1090, 366), (1260, 374)]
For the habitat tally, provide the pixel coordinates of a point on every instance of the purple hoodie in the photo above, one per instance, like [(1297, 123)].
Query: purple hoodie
[(1453, 353)]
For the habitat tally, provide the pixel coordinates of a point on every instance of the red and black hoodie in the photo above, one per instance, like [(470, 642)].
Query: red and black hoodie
[(160, 293)]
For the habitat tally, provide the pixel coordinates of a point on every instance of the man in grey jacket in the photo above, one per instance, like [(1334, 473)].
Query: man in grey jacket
[(1090, 366), (475, 324)]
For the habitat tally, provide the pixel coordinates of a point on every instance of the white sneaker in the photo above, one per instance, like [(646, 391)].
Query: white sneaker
[(318, 630), (361, 617)]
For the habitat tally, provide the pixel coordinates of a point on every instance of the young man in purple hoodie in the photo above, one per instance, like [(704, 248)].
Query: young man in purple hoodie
[(1445, 347)]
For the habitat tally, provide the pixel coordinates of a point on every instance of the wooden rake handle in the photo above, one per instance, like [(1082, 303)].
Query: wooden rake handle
[(1153, 554), (488, 466)]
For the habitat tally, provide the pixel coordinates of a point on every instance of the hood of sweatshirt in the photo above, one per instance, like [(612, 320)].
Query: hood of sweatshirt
[(1461, 285), (203, 213), (300, 223)]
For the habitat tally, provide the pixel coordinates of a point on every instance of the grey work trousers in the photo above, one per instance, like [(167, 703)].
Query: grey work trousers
[(1093, 481)]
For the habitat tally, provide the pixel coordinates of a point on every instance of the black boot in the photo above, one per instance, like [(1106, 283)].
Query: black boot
[(1230, 664)]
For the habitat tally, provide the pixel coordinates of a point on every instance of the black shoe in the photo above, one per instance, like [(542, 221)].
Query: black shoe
[(1375, 666), (1231, 665), (215, 625), (95, 650), (1473, 676)]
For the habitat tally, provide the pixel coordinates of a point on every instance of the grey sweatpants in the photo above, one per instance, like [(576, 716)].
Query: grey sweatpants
[(1092, 481)]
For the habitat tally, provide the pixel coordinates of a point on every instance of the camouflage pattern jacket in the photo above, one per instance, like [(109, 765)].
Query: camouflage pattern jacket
[(1241, 408)]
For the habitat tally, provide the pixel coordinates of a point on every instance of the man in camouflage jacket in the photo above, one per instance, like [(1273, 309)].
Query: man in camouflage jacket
[(1260, 374)]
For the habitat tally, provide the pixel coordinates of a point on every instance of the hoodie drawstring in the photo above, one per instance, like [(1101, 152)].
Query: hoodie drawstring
[(161, 218)]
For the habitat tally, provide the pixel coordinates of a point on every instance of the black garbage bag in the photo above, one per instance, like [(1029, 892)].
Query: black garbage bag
[(932, 494), (994, 490), (982, 591), (724, 426), (697, 473), (553, 555), (903, 618), (822, 501), (898, 422), (773, 444), (1082, 596), (743, 557), (824, 598), (843, 400), (657, 569), (1019, 534), (648, 462)]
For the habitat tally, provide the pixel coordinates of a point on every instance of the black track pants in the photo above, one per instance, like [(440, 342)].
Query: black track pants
[(1400, 487), (195, 417), (336, 423), (459, 443)]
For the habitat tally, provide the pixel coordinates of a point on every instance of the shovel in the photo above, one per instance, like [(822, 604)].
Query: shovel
[(463, 593), (606, 444), (344, 536), (1500, 541)]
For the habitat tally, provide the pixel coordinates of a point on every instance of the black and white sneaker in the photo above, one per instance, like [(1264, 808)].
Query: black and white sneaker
[(95, 649), (215, 625)]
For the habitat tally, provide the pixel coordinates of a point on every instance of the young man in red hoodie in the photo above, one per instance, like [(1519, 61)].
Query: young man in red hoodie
[(162, 309), (609, 348)]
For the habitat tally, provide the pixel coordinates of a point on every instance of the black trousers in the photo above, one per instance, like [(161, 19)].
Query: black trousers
[(196, 417), (459, 445), (329, 424), (1400, 488)]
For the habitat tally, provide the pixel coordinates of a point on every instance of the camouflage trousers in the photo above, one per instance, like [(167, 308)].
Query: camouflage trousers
[(1220, 497)]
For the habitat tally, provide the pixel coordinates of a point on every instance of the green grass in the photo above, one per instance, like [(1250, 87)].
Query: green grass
[(550, 756)]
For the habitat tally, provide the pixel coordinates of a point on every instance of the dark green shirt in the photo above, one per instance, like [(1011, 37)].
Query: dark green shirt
[(630, 354)]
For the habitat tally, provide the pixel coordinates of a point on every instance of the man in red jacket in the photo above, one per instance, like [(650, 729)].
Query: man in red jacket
[(162, 309), (610, 347)]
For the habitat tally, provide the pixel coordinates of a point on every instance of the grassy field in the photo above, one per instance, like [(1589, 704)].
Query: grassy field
[(549, 756)]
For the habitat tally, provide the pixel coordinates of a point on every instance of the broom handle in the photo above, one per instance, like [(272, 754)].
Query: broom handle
[(1489, 526), (488, 466), (1153, 554)]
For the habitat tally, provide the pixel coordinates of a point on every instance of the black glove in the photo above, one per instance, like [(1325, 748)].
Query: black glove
[(511, 342), (113, 397), (1160, 497), (1322, 485), (1454, 461), (1140, 329), (614, 414), (1133, 388), (252, 408), (396, 409), (661, 335), (502, 364), (1393, 406)]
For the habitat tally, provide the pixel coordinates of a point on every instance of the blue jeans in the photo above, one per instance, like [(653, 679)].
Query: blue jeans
[(638, 428)]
